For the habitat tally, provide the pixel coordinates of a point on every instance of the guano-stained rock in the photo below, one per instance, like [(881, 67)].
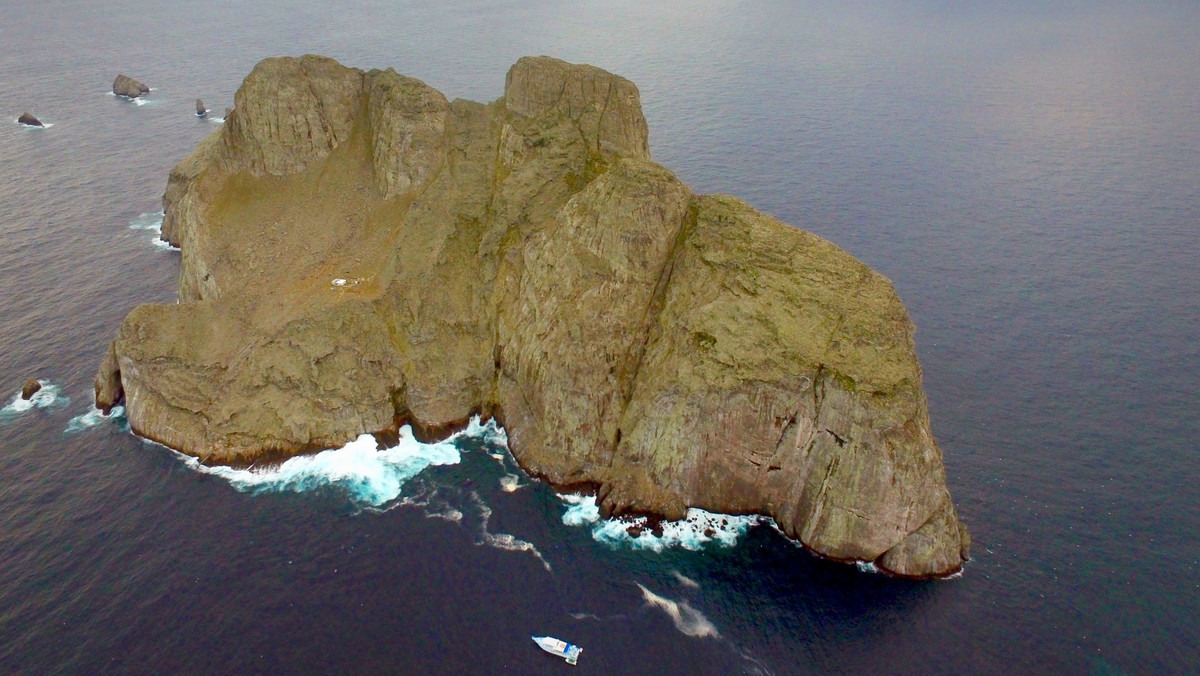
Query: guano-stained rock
[(359, 253)]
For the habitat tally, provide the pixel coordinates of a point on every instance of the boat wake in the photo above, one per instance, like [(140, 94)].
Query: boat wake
[(695, 531)]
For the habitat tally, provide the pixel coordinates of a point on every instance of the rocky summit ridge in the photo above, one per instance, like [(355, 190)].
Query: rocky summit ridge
[(358, 253)]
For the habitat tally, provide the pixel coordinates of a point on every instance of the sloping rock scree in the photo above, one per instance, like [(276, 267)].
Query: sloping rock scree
[(360, 253)]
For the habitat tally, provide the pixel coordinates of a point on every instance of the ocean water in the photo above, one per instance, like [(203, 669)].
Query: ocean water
[(1027, 173)]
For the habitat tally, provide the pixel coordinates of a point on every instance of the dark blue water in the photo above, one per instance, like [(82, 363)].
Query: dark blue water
[(1028, 174)]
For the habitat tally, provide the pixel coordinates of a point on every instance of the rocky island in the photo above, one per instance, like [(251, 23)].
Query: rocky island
[(128, 87), (359, 253)]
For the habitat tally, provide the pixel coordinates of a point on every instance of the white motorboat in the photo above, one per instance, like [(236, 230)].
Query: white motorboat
[(559, 647)]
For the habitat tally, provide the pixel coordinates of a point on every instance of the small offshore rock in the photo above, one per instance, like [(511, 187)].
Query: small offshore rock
[(201, 111), (635, 531), (129, 87), (29, 120), (31, 386)]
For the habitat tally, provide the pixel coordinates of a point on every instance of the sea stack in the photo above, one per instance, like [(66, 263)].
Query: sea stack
[(29, 120), (31, 387), (201, 111), (129, 87), (526, 259)]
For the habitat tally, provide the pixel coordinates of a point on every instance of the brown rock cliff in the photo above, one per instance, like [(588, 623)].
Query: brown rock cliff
[(359, 252)]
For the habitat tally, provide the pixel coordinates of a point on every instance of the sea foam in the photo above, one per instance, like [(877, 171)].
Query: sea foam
[(95, 417), (370, 477), (152, 221), (505, 541), (693, 532), (48, 397), (686, 619)]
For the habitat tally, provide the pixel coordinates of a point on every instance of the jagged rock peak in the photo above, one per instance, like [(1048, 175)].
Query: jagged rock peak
[(606, 107)]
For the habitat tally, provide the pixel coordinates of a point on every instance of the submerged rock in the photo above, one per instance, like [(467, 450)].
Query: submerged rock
[(129, 87), (29, 120), (201, 111), (31, 387), (526, 259)]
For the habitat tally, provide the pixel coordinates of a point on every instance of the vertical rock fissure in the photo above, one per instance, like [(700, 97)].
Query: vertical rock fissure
[(654, 308)]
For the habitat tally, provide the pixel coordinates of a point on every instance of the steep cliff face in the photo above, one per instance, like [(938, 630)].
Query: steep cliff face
[(358, 253)]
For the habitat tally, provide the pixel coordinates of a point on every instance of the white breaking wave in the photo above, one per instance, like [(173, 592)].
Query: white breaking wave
[(866, 566), (47, 397), (495, 434), (152, 221), (686, 619), (503, 541), (371, 477), (94, 417), (693, 532)]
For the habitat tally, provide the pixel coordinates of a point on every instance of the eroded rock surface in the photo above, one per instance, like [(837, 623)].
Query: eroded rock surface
[(128, 87), (29, 120), (359, 252)]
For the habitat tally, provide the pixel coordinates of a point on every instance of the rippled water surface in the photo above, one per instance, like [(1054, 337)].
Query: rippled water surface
[(1028, 174)]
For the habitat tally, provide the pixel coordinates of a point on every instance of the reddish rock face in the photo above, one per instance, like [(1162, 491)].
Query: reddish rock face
[(358, 252)]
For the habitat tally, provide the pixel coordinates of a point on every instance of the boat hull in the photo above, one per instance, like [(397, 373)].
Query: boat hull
[(559, 648)]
